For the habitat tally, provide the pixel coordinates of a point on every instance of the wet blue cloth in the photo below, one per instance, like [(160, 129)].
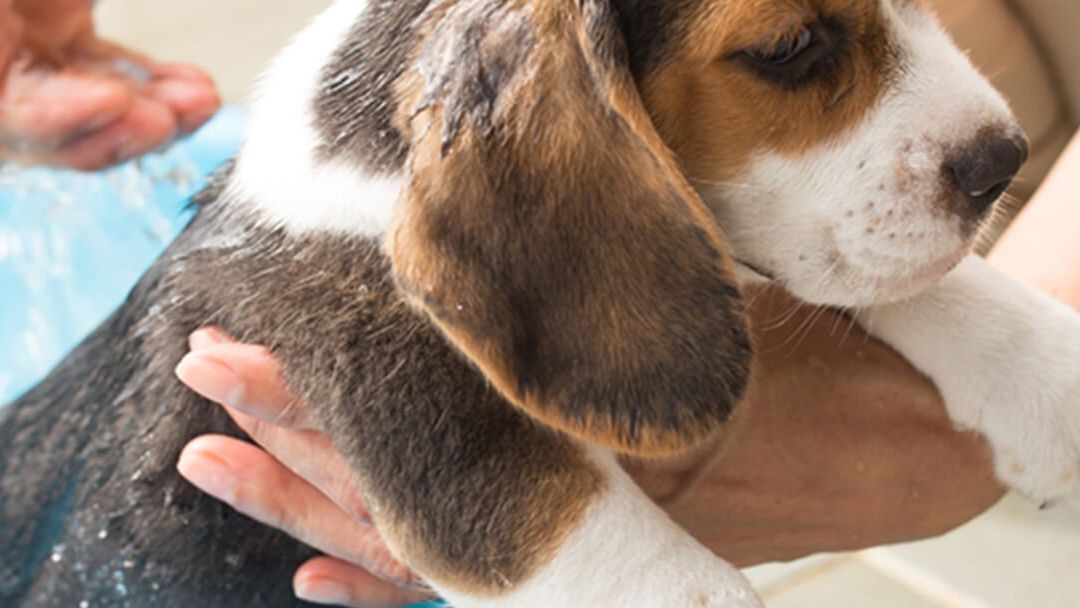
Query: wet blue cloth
[(73, 244)]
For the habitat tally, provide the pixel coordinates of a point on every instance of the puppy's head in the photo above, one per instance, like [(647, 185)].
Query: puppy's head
[(848, 148), (547, 174)]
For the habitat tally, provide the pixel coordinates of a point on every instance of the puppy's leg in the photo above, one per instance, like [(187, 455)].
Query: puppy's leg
[(1006, 359), (488, 505), (623, 553)]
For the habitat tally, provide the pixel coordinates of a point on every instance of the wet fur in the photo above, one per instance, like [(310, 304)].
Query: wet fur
[(87, 458), (427, 433)]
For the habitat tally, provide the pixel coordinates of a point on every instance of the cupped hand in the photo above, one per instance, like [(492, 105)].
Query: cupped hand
[(841, 446), (69, 98)]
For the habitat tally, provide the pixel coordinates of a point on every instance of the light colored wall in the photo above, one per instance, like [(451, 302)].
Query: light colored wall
[(233, 39), (1057, 22)]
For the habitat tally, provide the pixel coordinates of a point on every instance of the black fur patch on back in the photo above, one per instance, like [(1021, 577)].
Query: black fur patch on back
[(355, 109)]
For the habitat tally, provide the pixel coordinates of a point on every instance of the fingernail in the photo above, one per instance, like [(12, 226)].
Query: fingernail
[(205, 338), (322, 591), (208, 473), (211, 379)]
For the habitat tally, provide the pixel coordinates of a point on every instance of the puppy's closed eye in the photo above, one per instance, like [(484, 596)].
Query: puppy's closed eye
[(795, 58), (547, 231)]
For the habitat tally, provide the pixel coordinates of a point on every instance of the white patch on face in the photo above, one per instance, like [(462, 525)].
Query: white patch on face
[(278, 173), (868, 218)]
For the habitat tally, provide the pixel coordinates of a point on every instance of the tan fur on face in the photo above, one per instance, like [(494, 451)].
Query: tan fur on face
[(717, 115)]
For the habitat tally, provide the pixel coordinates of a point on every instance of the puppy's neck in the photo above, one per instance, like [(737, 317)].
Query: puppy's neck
[(291, 172)]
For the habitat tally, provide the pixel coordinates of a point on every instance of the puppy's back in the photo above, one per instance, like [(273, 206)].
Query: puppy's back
[(91, 507)]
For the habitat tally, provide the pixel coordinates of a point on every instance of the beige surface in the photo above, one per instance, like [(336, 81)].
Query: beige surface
[(1015, 556), (1057, 24), (234, 39), (1011, 54)]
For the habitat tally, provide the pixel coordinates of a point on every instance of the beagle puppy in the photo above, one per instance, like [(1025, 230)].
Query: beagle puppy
[(498, 242)]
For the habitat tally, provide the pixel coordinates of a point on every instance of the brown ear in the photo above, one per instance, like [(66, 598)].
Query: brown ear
[(547, 230)]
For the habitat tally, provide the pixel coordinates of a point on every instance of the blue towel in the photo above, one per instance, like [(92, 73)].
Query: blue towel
[(73, 244)]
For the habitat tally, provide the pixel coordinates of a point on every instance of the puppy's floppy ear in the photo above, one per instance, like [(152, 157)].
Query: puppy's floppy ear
[(547, 230)]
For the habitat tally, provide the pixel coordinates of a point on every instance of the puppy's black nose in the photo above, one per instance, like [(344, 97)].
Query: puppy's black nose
[(983, 174)]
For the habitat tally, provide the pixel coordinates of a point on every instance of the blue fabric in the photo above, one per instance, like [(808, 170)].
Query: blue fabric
[(73, 244)]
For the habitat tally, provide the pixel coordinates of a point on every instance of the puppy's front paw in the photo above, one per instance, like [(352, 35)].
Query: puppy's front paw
[(1037, 450), (1027, 404), (1041, 461), (1006, 359)]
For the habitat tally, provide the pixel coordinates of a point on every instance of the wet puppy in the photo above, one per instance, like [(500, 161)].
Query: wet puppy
[(493, 243)]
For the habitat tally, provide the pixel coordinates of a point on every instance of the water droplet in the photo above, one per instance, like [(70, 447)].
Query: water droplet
[(57, 554)]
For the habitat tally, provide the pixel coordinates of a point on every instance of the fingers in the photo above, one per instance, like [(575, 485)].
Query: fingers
[(254, 483), (310, 455), (188, 92), (70, 99), (305, 489), (329, 581), (46, 108), (244, 377), (88, 121), (143, 128), (247, 380)]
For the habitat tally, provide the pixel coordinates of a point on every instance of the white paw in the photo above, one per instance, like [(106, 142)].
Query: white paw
[(1026, 402), (1006, 359)]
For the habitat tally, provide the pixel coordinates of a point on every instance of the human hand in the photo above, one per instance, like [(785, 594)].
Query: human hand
[(841, 446), (69, 98), (299, 484)]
